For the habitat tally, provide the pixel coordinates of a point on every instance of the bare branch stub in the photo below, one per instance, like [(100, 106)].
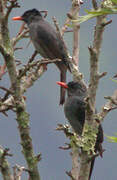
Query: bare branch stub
[(65, 129), (110, 105), (70, 175), (101, 75), (39, 157), (107, 23)]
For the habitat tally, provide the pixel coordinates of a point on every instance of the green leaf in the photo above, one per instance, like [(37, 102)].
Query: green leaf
[(100, 11), (111, 139)]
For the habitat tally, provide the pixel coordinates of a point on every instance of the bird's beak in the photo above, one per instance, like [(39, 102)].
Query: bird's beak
[(18, 18), (62, 84)]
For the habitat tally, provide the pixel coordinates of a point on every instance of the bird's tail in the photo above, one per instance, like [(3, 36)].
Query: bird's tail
[(98, 147), (91, 168), (62, 90)]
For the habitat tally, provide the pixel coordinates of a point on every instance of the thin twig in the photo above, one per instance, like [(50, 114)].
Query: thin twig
[(19, 37), (36, 64), (13, 4)]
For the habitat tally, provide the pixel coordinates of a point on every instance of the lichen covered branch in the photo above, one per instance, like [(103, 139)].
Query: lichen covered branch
[(22, 116)]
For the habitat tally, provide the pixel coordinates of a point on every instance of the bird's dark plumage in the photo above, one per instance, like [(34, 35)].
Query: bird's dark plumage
[(47, 42), (74, 109)]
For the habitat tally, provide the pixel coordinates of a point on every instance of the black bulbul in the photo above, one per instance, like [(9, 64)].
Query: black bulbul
[(47, 42), (74, 109)]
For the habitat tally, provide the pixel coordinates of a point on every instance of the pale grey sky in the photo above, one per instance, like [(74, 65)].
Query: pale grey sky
[(43, 98)]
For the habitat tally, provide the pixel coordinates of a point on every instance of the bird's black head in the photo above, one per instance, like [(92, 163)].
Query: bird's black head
[(31, 15), (74, 88)]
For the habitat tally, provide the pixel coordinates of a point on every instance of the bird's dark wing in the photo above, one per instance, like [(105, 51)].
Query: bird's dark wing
[(47, 38), (75, 113)]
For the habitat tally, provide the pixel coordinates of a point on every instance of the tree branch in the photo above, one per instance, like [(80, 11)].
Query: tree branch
[(4, 165), (84, 167), (94, 65)]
